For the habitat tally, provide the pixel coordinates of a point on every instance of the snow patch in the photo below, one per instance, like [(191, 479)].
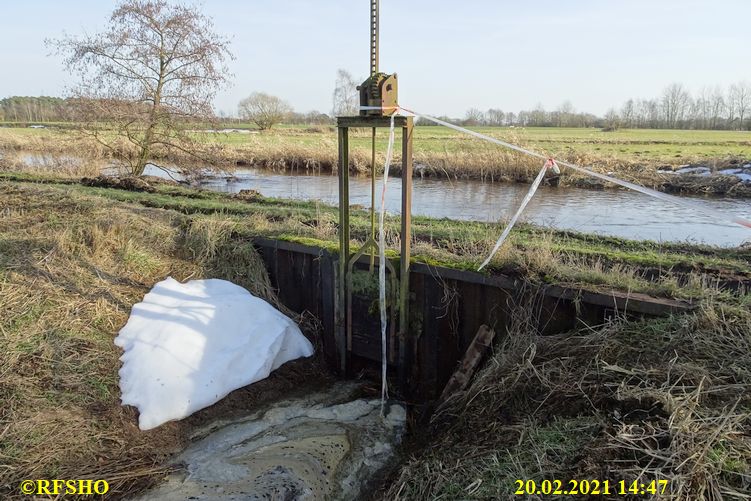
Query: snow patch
[(188, 345), (698, 170)]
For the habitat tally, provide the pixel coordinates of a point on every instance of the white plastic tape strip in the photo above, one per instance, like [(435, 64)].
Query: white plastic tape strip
[(642, 189), (382, 268), (510, 225)]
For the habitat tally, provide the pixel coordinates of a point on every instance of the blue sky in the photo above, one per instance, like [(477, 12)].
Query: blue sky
[(450, 56)]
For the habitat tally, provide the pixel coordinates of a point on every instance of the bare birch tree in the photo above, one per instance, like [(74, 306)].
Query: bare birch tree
[(346, 97), (153, 71), (674, 103), (739, 98)]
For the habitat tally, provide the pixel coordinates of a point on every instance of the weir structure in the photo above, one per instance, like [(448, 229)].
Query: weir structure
[(378, 101), (447, 318), (447, 307)]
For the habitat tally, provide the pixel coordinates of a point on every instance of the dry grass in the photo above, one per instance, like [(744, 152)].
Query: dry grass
[(658, 399), (50, 164), (71, 267), (437, 153)]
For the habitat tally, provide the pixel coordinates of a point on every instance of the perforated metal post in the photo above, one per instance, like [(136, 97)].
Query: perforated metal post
[(373, 37), (374, 15)]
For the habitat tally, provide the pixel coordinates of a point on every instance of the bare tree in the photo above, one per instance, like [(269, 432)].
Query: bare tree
[(264, 110), (675, 100), (717, 107), (346, 97), (495, 117), (565, 114), (538, 116), (627, 114), (612, 120), (155, 68), (739, 100), (703, 108), (474, 117)]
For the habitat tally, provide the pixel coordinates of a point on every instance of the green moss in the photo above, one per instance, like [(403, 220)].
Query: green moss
[(365, 283)]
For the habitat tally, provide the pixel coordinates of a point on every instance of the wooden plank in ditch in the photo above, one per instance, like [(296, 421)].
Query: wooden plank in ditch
[(471, 361)]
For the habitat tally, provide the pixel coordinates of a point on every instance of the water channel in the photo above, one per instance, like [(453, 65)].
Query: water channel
[(610, 212)]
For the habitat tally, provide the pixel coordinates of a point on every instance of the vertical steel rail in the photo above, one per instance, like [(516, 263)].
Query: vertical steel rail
[(406, 239), (372, 196), (342, 313)]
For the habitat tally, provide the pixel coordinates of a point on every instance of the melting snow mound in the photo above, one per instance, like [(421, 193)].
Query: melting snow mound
[(188, 345)]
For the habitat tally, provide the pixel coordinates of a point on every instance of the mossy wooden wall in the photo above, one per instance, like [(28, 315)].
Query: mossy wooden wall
[(447, 308)]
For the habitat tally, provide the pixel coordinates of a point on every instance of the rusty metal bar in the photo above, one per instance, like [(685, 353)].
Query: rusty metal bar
[(372, 195), (342, 314), (406, 238), (371, 121)]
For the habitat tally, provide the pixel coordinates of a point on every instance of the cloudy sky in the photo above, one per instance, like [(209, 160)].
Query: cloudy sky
[(450, 55)]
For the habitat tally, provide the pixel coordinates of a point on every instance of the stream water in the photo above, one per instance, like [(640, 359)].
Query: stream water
[(615, 212), (610, 212)]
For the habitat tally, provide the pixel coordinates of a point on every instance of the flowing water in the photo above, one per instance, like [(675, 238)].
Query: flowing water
[(609, 212), (615, 212)]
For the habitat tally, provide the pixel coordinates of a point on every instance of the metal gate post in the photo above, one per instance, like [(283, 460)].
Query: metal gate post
[(341, 310), (406, 239)]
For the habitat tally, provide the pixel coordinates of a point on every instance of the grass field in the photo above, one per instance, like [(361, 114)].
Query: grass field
[(539, 254), (634, 155), (649, 145)]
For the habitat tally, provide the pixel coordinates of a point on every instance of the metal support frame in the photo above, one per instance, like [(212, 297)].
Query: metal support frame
[(346, 260)]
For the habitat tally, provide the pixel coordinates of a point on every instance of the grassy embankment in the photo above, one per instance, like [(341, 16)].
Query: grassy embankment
[(646, 401), (634, 155), (74, 259), (72, 264)]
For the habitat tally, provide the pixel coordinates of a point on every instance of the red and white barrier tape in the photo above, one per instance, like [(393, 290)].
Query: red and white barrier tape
[(532, 189), (626, 184)]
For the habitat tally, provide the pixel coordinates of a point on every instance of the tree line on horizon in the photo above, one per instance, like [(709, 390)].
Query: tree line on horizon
[(712, 108), (676, 108)]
